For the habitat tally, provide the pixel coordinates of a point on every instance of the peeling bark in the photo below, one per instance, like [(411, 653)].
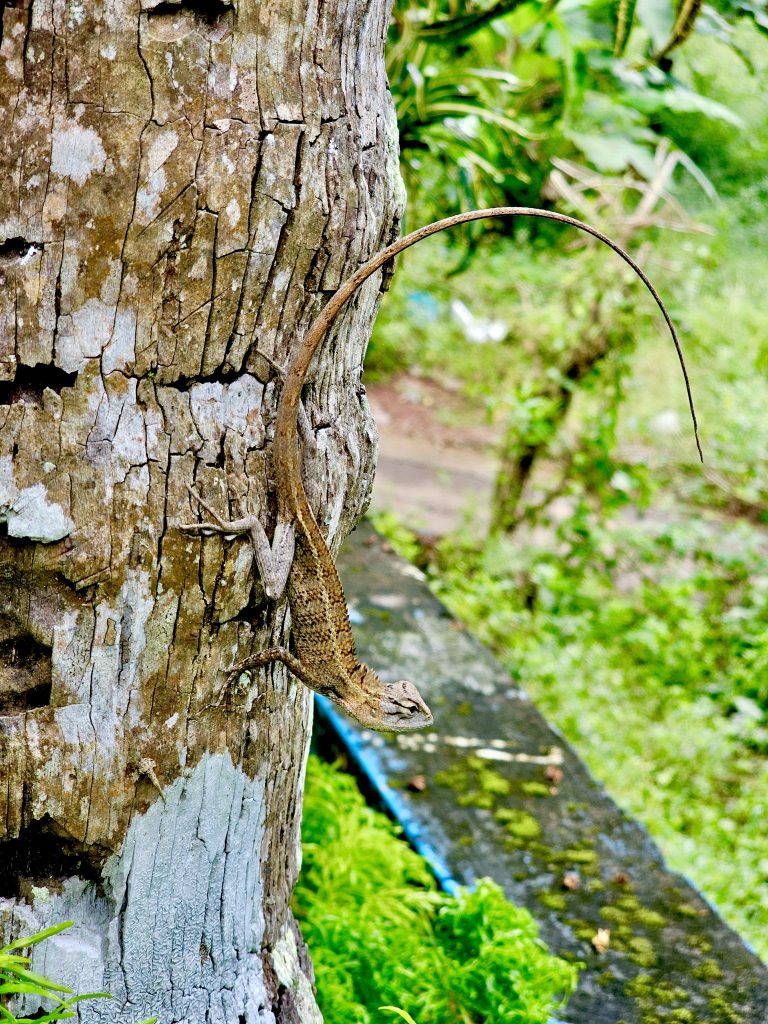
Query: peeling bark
[(184, 183)]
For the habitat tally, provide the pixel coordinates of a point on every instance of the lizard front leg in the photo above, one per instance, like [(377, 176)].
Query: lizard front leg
[(265, 657), (273, 560)]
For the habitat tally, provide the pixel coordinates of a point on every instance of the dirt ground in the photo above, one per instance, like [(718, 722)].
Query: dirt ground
[(437, 461)]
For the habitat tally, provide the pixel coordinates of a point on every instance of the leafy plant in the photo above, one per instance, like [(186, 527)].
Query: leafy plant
[(380, 933), (488, 94), (16, 979), (400, 1013)]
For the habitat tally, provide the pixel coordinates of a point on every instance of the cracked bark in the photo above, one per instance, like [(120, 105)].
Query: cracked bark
[(184, 183)]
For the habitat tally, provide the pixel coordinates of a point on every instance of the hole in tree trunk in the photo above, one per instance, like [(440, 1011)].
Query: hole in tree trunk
[(18, 250), (25, 670), (42, 858), (29, 383), (171, 21)]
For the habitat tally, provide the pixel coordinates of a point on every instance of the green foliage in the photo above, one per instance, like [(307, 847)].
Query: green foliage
[(379, 932), (16, 979), (400, 1013), (488, 93)]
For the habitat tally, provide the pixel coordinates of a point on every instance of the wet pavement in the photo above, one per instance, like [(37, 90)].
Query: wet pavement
[(493, 790)]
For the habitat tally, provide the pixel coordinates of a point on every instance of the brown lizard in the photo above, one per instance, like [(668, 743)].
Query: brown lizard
[(323, 655)]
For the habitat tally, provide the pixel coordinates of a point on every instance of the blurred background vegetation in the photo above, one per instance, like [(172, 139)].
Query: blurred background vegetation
[(624, 584)]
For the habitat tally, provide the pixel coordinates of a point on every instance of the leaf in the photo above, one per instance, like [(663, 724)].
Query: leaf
[(451, 30), (612, 154), (697, 174), (401, 1013), (495, 74), (683, 101), (32, 940), (88, 995), (657, 17), (13, 988), (625, 19), (49, 1018), (9, 960), (461, 109), (39, 980)]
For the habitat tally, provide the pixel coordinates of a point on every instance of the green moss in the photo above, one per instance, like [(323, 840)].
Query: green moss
[(650, 918), (651, 992), (477, 784), (641, 951), (699, 942), (570, 957), (492, 782), (553, 900), (639, 987), (613, 914), (573, 856), (628, 912), (686, 910), (681, 1016), (709, 970), (583, 930), (518, 824), (722, 1010), (476, 799), (535, 789)]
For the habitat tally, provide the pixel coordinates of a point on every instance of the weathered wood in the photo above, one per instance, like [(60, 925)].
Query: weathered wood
[(182, 185)]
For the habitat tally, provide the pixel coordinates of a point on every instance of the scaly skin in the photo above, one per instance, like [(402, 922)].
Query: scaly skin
[(323, 654)]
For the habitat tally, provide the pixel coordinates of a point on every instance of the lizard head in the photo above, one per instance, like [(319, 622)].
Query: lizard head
[(387, 707), (403, 707)]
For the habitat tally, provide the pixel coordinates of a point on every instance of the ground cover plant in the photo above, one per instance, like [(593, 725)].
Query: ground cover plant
[(382, 936)]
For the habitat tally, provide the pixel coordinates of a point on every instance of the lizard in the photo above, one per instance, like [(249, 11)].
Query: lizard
[(323, 655)]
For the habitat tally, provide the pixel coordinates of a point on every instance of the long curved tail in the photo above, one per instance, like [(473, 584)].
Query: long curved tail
[(297, 368)]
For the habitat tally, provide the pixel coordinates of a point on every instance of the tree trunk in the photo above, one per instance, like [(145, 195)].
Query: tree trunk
[(183, 183)]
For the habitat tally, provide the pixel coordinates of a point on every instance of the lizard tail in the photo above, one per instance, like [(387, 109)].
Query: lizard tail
[(288, 411)]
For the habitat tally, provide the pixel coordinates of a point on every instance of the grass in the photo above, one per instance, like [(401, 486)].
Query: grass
[(383, 939), (659, 682)]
